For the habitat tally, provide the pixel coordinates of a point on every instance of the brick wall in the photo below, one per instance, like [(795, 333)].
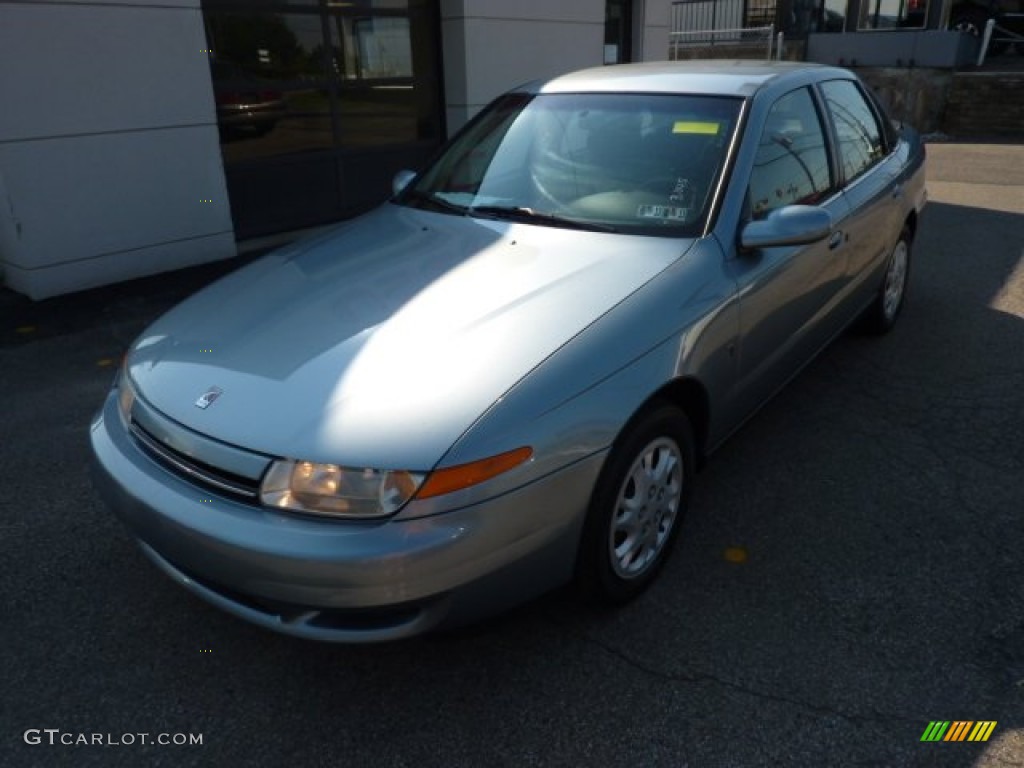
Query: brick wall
[(915, 96), (985, 104)]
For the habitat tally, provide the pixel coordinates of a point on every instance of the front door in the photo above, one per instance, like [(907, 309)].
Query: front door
[(787, 294)]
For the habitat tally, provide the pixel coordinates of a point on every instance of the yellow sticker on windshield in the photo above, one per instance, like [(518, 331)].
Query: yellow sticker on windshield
[(695, 126)]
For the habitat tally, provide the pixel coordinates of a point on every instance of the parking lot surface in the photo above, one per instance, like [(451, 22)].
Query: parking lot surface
[(851, 569)]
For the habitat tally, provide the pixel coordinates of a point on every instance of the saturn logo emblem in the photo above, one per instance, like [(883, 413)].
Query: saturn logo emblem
[(207, 398)]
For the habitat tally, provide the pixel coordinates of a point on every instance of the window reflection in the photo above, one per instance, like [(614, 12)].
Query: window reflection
[(303, 87), (791, 166), (379, 102), (892, 14), (287, 135), (860, 138), (273, 46), (812, 16), (378, 115), (371, 48), (292, 82)]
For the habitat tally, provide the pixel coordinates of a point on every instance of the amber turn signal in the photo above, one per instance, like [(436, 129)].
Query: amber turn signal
[(451, 479)]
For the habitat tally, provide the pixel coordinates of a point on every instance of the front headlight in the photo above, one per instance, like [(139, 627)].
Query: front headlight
[(327, 489)]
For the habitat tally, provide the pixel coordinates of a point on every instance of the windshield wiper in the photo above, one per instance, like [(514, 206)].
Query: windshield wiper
[(522, 213), (423, 200)]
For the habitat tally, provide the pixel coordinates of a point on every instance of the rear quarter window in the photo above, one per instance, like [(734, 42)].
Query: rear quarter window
[(858, 132)]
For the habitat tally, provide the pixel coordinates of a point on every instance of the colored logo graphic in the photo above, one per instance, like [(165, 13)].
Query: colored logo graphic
[(958, 730)]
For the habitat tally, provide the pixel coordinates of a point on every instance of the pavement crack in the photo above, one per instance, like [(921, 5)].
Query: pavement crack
[(875, 717)]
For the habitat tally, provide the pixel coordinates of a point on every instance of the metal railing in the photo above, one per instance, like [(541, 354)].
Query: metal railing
[(722, 22), (700, 15), (993, 33), (735, 36)]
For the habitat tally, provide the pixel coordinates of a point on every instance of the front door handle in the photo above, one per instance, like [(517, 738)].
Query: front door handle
[(835, 240)]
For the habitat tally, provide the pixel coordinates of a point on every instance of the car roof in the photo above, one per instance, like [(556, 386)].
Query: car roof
[(713, 76)]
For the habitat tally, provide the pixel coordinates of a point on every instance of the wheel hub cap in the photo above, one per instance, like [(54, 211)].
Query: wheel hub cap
[(646, 508), (895, 280)]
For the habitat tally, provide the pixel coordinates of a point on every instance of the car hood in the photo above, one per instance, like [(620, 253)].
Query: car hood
[(380, 343)]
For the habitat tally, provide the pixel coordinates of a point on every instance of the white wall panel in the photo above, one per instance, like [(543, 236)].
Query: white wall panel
[(108, 144), (654, 36), (71, 69), (508, 53), (85, 196), (490, 46), (114, 267)]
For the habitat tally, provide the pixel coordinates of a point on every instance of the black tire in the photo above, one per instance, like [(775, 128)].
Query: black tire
[(605, 572), (881, 316)]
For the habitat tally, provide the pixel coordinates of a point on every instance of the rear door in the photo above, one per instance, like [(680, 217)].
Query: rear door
[(869, 174)]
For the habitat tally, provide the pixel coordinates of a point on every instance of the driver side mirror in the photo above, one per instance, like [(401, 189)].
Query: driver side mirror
[(401, 181), (790, 225)]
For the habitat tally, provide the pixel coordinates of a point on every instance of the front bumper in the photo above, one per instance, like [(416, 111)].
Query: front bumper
[(342, 580)]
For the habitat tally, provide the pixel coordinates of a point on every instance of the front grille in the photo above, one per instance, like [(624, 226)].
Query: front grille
[(191, 469)]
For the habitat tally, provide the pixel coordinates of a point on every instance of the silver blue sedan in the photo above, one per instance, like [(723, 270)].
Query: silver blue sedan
[(505, 378)]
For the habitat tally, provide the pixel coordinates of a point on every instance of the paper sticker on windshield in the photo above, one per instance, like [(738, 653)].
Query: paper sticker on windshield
[(663, 212), (696, 126)]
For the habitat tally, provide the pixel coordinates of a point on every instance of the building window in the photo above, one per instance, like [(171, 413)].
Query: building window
[(304, 89), (618, 31), (892, 14)]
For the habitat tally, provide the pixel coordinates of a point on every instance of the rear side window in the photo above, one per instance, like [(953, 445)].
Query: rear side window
[(791, 166), (857, 129)]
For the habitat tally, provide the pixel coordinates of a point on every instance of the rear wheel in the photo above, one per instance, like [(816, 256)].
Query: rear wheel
[(881, 316), (637, 506)]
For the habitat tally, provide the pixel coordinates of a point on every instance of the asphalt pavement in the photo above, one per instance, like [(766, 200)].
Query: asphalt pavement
[(851, 569)]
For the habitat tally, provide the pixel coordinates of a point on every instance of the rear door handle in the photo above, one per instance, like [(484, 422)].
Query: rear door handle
[(897, 190), (836, 240)]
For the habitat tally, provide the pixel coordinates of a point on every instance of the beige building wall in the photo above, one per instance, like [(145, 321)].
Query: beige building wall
[(490, 46)]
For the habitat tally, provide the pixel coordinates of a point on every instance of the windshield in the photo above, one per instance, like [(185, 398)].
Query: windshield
[(633, 162)]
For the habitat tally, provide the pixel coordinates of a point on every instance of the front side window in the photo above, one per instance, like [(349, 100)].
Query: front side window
[(792, 165), (857, 128), (637, 163)]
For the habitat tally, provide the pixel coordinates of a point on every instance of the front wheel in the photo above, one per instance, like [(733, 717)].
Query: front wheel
[(881, 316), (637, 506)]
